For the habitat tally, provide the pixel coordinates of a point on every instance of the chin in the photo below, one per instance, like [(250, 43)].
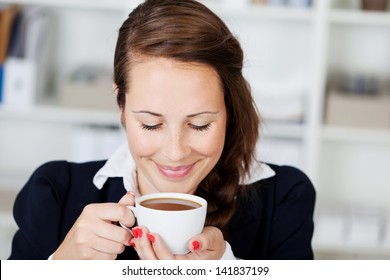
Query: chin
[(178, 187)]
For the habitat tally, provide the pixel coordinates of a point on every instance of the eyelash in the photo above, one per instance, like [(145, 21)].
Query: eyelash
[(157, 126), (150, 127), (200, 128)]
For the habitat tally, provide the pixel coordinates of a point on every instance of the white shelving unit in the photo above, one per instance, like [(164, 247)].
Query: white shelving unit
[(284, 45), (355, 17), (110, 5)]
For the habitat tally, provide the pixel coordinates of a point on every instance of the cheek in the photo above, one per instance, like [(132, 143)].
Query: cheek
[(139, 145), (212, 144)]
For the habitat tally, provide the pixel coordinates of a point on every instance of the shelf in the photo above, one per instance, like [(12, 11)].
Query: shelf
[(293, 131), (358, 17), (350, 252), (260, 12), (114, 5), (248, 11), (50, 114), (356, 135)]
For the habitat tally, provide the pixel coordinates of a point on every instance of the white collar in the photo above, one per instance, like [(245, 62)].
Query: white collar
[(122, 164)]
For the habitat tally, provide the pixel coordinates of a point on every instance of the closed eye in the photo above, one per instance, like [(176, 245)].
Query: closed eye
[(200, 127), (151, 127)]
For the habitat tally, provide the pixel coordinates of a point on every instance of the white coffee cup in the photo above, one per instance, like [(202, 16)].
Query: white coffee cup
[(176, 227)]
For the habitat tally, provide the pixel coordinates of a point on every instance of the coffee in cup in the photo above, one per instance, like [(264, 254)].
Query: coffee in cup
[(170, 204), (176, 217)]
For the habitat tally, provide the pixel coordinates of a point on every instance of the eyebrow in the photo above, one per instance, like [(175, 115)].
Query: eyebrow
[(188, 116)]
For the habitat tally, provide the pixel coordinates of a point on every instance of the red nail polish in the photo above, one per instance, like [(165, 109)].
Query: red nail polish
[(135, 232), (195, 245), (139, 231), (151, 237), (132, 244)]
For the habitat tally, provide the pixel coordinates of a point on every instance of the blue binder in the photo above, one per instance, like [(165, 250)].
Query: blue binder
[(1, 82)]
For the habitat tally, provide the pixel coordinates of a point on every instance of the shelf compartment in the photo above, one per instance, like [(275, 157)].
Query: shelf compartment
[(115, 5), (294, 131), (357, 17), (356, 135), (56, 114), (261, 12)]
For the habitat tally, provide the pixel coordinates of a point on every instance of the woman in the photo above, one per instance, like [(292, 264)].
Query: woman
[(191, 127)]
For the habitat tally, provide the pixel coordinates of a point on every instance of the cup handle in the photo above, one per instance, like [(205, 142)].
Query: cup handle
[(132, 209)]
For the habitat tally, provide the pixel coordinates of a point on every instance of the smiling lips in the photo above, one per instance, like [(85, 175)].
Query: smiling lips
[(175, 172)]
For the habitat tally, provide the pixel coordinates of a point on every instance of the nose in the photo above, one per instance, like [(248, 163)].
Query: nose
[(176, 146)]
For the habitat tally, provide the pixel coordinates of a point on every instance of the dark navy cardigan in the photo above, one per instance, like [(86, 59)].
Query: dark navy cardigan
[(273, 221)]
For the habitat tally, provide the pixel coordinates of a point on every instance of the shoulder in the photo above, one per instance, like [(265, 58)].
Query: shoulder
[(62, 168), (288, 183), (292, 184), (55, 177), (61, 172), (290, 188)]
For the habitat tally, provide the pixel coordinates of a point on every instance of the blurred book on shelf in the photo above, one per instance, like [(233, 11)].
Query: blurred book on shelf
[(374, 5), (1, 82), (358, 110), (89, 86), (288, 3), (365, 5), (358, 99), (7, 17), (25, 57)]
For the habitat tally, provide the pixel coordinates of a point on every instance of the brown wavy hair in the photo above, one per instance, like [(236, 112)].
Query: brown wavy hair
[(187, 31)]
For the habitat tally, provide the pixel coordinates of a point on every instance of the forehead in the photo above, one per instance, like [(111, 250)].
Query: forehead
[(163, 79), (147, 63)]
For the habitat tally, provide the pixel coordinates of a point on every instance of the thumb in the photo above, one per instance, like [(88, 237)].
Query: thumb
[(210, 239), (127, 199)]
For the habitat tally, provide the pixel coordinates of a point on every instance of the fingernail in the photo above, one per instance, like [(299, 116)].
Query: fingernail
[(151, 237), (132, 244), (139, 232), (130, 193), (135, 232), (195, 245)]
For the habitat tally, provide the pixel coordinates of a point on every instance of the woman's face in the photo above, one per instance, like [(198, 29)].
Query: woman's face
[(175, 120)]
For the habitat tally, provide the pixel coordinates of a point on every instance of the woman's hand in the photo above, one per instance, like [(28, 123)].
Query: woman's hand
[(207, 245), (95, 234)]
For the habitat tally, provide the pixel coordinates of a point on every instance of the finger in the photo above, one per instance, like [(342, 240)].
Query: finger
[(200, 246), (142, 243), (210, 240), (86, 246), (103, 236), (128, 220), (112, 212), (200, 242), (94, 254), (108, 246), (160, 248), (109, 211), (114, 233), (128, 199)]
